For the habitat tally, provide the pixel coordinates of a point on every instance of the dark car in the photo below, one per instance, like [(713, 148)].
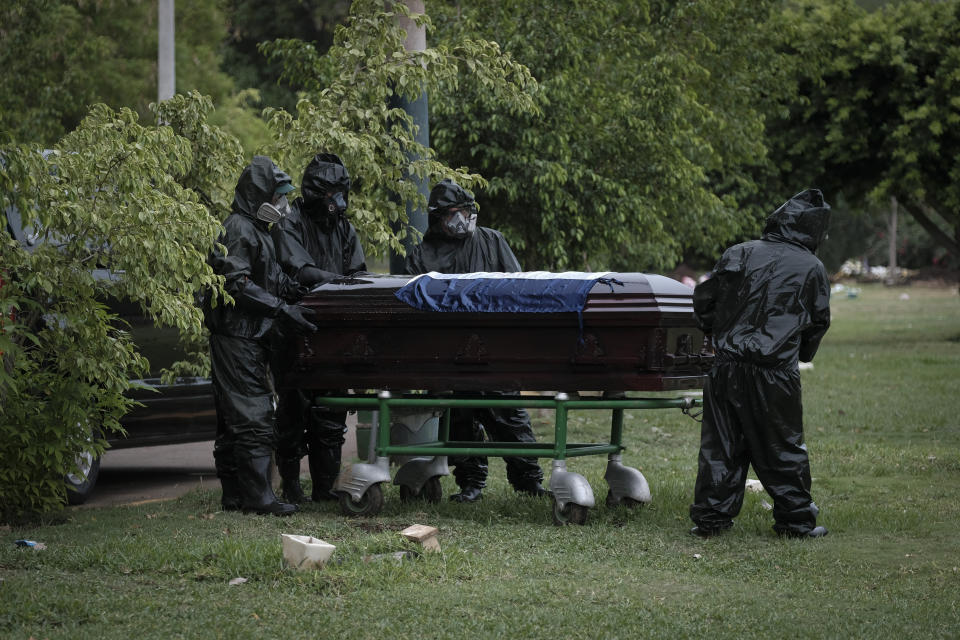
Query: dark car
[(171, 413)]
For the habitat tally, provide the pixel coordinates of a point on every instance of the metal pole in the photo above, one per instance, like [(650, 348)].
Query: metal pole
[(417, 109), (560, 427), (166, 71), (892, 271), (616, 427), (383, 432)]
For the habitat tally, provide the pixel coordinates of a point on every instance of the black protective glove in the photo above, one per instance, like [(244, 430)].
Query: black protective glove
[(311, 276), (350, 280), (295, 294), (297, 317)]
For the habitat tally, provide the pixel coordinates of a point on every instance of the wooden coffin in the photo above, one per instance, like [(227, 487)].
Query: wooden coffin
[(637, 337)]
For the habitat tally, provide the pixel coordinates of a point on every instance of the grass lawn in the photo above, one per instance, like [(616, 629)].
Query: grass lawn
[(881, 412)]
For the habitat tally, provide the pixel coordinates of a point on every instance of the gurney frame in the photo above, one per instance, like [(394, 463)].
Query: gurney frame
[(359, 485)]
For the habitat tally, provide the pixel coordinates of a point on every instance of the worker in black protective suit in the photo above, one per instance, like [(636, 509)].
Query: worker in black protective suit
[(315, 244), (766, 305), (243, 335), (454, 243)]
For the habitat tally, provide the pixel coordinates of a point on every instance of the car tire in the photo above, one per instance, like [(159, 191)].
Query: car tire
[(80, 485)]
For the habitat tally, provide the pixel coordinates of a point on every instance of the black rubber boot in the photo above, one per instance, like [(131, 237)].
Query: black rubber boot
[(702, 532), (470, 493), (229, 485), (324, 469), (226, 466), (289, 469), (816, 532), (256, 494), (530, 488), (325, 439), (230, 498)]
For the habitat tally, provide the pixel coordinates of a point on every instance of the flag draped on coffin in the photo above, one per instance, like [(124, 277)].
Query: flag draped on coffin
[(486, 292)]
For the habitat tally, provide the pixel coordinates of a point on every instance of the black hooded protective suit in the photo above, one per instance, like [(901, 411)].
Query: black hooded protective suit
[(483, 250), (241, 335), (767, 305), (315, 244), (312, 236)]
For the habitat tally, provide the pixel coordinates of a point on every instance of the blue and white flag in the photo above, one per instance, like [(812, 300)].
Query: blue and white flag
[(486, 292)]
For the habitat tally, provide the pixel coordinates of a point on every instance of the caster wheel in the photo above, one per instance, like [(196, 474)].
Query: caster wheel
[(569, 514), (368, 505), (629, 503), (431, 491)]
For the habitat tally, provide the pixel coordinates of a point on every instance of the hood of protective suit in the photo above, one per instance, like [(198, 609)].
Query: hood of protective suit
[(324, 174), (803, 220), (256, 185), (446, 194)]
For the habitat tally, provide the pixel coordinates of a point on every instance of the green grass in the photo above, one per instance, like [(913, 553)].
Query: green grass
[(881, 412)]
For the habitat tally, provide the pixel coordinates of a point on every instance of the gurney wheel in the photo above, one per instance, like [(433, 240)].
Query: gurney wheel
[(431, 491), (369, 504), (629, 503), (570, 514)]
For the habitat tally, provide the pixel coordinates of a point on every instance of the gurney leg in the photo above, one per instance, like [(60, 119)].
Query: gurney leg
[(627, 485)]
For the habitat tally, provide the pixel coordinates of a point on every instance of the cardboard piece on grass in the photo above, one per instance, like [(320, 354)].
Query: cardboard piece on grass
[(305, 552), (424, 534)]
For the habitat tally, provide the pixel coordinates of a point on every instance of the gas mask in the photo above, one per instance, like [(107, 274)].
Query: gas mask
[(335, 204), (271, 212), (327, 209), (459, 222)]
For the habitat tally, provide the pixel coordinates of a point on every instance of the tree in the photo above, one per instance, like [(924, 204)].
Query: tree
[(879, 118), (650, 113), (344, 109), (48, 63), (58, 57), (250, 22), (115, 221)]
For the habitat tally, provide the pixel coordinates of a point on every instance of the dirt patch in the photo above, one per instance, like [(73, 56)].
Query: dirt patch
[(369, 527)]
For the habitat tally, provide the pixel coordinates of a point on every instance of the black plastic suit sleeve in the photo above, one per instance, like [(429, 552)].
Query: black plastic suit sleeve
[(820, 318), (258, 300), (310, 276), (236, 268), (288, 240), (354, 259), (705, 303)]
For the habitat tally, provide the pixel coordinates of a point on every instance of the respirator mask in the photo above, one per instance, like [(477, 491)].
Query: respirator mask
[(271, 212), (459, 222), (335, 204), (327, 209)]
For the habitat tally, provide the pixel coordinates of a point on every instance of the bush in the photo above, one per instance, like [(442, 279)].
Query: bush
[(108, 219)]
